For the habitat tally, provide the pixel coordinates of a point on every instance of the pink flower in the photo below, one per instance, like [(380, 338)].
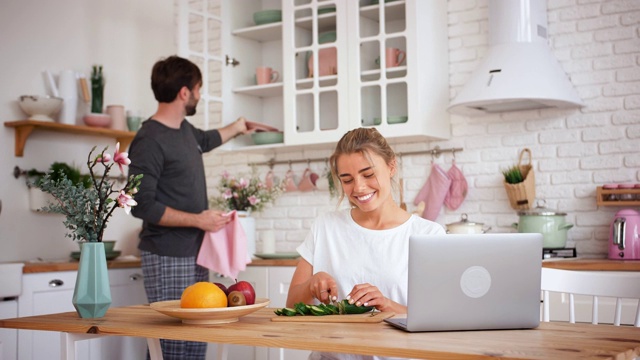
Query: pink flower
[(227, 194), (126, 201), (243, 183), (253, 200), (105, 158), (122, 158), (225, 174)]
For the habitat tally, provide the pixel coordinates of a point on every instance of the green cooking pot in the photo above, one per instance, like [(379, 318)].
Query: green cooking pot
[(551, 224)]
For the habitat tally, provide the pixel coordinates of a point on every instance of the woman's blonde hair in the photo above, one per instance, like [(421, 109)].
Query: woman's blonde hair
[(365, 141)]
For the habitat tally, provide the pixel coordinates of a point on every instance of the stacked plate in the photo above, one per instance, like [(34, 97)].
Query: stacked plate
[(110, 254), (265, 134)]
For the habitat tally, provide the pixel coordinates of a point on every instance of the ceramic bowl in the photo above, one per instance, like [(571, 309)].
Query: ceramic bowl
[(267, 16), (397, 119), (326, 10), (267, 137), (329, 36), (97, 120), (40, 107)]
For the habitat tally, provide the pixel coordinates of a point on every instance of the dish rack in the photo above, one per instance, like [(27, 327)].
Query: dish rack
[(612, 197)]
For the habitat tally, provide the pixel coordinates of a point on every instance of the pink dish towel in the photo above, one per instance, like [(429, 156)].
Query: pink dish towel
[(433, 192), (225, 251), (458, 190)]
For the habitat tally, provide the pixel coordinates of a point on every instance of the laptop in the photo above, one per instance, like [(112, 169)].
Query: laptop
[(473, 282)]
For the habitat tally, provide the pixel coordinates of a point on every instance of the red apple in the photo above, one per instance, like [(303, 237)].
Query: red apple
[(222, 287), (246, 289)]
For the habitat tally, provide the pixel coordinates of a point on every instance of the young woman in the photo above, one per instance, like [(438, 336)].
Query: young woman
[(361, 253)]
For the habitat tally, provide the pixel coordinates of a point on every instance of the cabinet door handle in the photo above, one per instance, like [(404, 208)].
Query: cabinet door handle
[(231, 61), (56, 283), (135, 277)]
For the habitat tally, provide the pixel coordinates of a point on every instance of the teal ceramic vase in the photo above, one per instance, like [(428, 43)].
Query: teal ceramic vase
[(92, 294)]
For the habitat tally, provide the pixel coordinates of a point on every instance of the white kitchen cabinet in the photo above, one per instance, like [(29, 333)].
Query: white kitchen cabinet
[(406, 103), (273, 283), (51, 292)]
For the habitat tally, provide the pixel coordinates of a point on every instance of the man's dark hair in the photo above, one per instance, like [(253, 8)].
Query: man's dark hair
[(170, 75)]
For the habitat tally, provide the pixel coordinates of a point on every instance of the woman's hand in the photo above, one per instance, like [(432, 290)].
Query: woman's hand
[(369, 295), (323, 287)]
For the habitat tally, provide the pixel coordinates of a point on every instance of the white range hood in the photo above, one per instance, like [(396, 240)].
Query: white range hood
[(519, 72)]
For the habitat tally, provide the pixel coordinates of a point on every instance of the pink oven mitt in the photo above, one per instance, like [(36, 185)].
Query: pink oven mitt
[(433, 192), (225, 251), (457, 190)]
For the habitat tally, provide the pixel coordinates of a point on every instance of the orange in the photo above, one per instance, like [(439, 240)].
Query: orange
[(203, 295)]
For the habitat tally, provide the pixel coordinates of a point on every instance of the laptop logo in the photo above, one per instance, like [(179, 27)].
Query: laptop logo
[(475, 282)]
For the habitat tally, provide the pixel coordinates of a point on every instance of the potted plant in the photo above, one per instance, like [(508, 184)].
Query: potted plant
[(519, 183), (87, 211), (245, 194)]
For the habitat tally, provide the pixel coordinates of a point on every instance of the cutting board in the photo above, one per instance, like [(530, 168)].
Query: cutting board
[(374, 317)]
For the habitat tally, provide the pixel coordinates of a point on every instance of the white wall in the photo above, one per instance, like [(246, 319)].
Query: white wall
[(126, 37), (598, 44)]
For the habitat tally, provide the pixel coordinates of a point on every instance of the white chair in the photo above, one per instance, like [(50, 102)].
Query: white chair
[(611, 284)]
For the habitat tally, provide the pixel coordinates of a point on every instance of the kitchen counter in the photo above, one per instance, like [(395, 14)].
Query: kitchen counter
[(126, 262), (133, 262), (31, 267), (274, 262), (592, 264)]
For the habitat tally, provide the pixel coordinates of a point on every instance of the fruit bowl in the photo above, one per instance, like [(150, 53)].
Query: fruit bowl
[(40, 107), (207, 316)]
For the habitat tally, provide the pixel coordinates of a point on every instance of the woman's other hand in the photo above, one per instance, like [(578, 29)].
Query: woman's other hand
[(369, 295)]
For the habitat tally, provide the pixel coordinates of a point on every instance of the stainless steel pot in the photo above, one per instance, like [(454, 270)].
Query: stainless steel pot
[(550, 223), (465, 226)]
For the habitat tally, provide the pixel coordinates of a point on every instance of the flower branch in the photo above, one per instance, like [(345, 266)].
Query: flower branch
[(87, 209)]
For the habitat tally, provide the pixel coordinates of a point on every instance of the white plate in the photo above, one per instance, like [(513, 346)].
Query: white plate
[(207, 316), (282, 255)]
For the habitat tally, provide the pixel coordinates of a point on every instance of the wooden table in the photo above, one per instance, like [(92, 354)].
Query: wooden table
[(549, 341)]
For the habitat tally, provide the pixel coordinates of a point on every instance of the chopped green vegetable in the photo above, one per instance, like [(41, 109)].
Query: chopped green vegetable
[(343, 308)]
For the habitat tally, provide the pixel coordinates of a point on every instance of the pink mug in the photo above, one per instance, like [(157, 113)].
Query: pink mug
[(395, 57), (266, 75), (307, 183)]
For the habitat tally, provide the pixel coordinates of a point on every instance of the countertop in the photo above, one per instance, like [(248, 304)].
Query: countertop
[(125, 262), (133, 262), (592, 264)]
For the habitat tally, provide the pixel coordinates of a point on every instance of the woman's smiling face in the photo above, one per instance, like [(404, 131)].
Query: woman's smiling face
[(365, 179)]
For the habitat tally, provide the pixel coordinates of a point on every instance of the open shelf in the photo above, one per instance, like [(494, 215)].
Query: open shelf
[(603, 196), (24, 128)]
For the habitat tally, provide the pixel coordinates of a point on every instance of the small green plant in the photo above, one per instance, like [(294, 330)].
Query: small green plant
[(513, 175), (58, 171)]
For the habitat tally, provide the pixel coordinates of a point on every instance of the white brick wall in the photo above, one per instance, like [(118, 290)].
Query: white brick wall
[(598, 45)]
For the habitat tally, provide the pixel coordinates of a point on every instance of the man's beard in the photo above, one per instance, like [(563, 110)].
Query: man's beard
[(190, 108)]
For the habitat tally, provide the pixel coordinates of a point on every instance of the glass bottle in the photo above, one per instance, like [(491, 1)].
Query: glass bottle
[(97, 89)]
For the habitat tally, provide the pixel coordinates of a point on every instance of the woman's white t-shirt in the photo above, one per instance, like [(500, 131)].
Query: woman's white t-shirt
[(353, 255)]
